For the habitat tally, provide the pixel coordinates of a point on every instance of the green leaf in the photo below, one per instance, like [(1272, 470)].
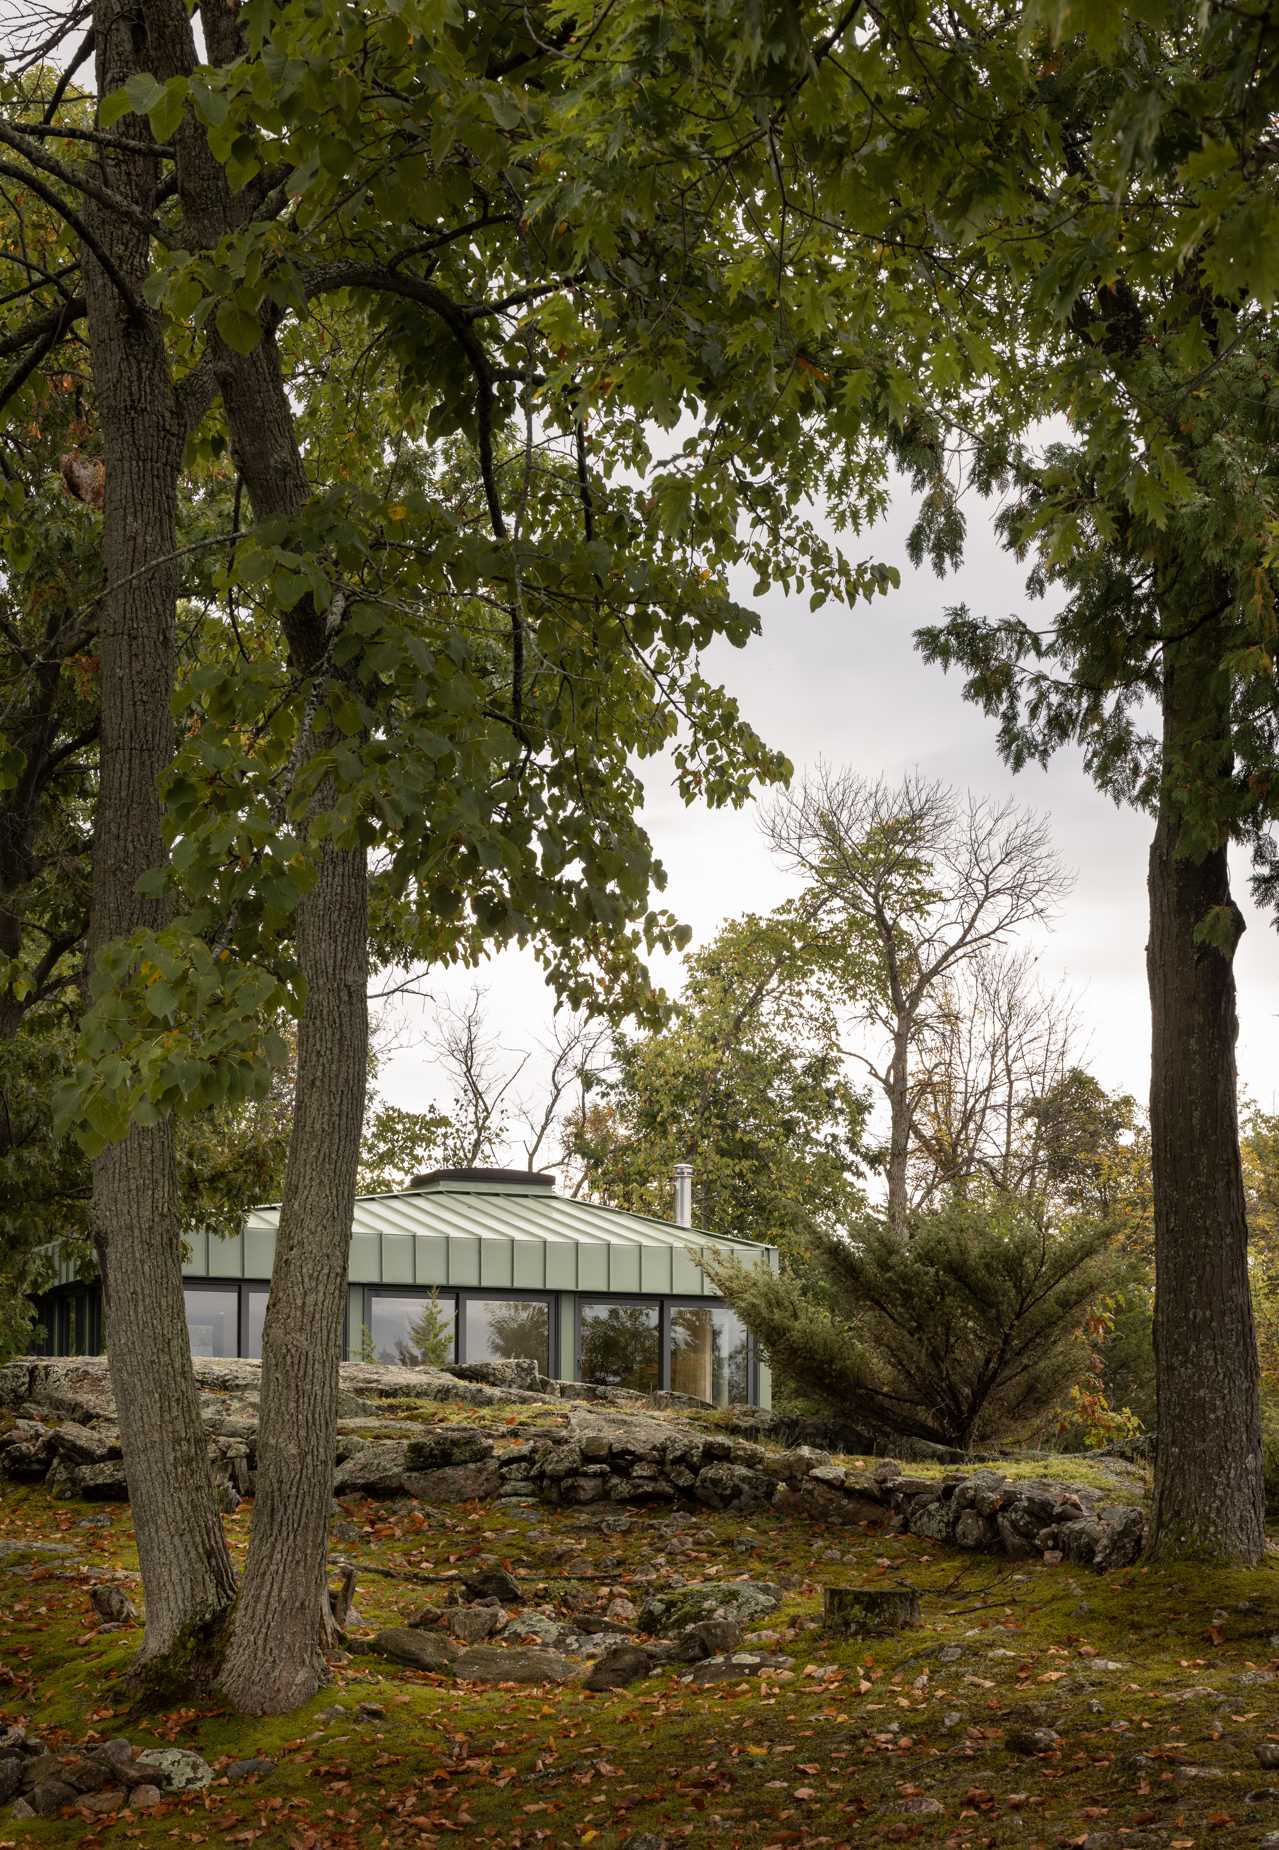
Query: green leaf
[(166, 112), (240, 329)]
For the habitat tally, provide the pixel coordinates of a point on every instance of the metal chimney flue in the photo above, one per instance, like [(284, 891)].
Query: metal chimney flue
[(683, 1174)]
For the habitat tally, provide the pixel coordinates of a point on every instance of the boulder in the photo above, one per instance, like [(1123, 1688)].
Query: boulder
[(973, 1530), (48, 1798), (514, 1371), (739, 1601), (449, 1445), (454, 1483), (15, 1384), (420, 1650), (473, 1624), (485, 1663), (84, 1445), (102, 1483), (933, 1517), (1123, 1537), (733, 1668), (373, 1471), (620, 1665), (176, 1769), (492, 1583), (26, 1460), (536, 1626), (1080, 1539), (728, 1486)]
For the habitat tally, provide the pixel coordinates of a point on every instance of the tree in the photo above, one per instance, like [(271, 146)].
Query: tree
[(993, 1048), (1122, 298), (445, 646), (922, 881), (487, 1111), (965, 1325), (747, 1083)]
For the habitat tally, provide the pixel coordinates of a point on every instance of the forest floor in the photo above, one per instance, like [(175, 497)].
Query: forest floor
[(1162, 1686)]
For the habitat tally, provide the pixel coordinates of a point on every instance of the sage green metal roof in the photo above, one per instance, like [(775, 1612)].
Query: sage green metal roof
[(502, 1236)]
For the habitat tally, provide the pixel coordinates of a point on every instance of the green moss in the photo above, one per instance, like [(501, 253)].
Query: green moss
[(1086, 1471)]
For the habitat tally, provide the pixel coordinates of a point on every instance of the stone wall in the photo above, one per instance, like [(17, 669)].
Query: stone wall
[(569, 1446)]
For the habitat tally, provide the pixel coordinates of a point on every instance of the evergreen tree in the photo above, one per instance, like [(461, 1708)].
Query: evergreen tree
[(965, 1326)]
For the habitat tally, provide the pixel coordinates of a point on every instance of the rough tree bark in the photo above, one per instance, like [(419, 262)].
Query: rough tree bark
[(282, 1624), (186, 1569), (1209, 1499)]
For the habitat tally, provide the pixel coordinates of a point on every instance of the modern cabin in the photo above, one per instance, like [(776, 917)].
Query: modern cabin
[(473, 1265)]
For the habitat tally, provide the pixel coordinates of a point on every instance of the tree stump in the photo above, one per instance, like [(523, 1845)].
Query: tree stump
[(869, 1612)]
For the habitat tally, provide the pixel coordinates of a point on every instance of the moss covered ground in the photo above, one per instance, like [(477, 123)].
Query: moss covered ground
[(1161, 1684)]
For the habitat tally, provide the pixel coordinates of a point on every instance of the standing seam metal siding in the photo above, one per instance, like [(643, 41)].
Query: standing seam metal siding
[(501, 1238)]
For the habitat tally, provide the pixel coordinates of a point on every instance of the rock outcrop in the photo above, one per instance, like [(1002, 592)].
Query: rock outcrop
[(566, 1445)]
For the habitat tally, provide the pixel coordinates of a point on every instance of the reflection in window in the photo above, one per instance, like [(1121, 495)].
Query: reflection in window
[(620, 1345), (255, 1316), (509, 1329), (709, 1355), (412, 1332), (213, 1319)]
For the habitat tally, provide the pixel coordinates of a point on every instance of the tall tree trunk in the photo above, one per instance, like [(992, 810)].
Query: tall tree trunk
[(899, 1127), (1209, 1500), (186, 1570), (282, 1624)]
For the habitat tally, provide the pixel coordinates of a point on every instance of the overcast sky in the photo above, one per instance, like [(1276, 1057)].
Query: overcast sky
[(848, 686)]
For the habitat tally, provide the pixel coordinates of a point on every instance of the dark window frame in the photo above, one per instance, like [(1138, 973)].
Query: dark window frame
[(752, 1354), (225, 1285), (485, 1294), (582, 1298), (460, 1296), (666, 1302)]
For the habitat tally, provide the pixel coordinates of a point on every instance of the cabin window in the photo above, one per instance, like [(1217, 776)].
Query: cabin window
[(710, 1354), (621, 1345), (213, 1319), (407, 1330), (508, 1329)]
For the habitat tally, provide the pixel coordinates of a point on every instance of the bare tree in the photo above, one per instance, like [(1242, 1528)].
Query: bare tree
[(998, 1042), (489, 1113), (915, 880)]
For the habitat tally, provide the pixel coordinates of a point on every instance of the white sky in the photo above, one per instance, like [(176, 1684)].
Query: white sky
[(848, 686)]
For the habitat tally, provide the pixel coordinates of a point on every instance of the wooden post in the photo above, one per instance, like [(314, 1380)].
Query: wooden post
[(869, 1612)]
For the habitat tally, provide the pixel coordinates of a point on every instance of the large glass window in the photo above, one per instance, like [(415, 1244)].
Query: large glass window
[(255, 1297), (213, 1319), (621, 1345), (410, 1331), (508, 1329), (710, 1357)]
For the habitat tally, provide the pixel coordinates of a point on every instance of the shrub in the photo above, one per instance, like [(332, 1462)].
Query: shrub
[(966, 1327)]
